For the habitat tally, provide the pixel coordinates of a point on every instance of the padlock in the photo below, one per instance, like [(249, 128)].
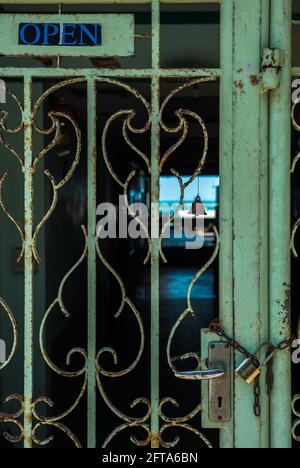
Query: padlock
[(248, 370)]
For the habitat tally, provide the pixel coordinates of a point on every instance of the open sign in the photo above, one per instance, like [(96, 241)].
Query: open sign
[(68, 35), (55, 34)]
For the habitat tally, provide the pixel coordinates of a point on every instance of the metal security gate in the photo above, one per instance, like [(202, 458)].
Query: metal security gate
[(250, 242)]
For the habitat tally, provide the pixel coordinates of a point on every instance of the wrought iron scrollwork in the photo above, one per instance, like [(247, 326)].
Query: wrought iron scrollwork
[(296, 423), (127, 119), (183, 128), (186, 427), (294, 165), (189, 311), (14, 327), (296, 398), (128, 116), (4, 128), (13, 419), (56, 119)]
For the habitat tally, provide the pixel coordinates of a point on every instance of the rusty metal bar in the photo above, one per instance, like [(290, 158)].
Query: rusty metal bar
[(264, 228), (155, 249), (105, 72), (249, 183), (28, 261), (226, 188), (279, 221), (103, 2), (92, 267)]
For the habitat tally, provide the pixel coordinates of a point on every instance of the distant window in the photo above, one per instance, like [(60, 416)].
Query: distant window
[(208, 185)]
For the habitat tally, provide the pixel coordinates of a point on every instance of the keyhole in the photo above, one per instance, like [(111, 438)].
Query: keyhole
[(220, 402)]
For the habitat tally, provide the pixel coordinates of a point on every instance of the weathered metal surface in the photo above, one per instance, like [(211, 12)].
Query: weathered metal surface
[(271, 65), (113, 73), (28, 260), (117, 35), (219, 355), (243, 240), (92, 370), (279, 225), (250, 222), (109, 2), (92, 266), (155, 249), (226, 190)]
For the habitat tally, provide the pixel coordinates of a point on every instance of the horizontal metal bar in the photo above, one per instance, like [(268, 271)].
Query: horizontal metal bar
[(101, 2), (106, 72), (296, 71)]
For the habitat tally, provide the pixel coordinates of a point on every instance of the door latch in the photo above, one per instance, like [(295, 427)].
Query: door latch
[(271, 66), (210, 374), (218, 378)]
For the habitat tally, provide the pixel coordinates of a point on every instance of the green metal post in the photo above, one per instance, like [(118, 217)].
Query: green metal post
[(263, 175), (155, 256), (280, 155), (100, 2), (250, 264), (113, 72), (92, 267), (226, 222), (28, 262)]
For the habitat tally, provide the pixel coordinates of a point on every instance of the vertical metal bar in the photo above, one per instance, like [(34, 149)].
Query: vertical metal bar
[(28, 260), (92, 267), (249, 247), (155, 256), (280, 154), (226, 221), (264, 228)]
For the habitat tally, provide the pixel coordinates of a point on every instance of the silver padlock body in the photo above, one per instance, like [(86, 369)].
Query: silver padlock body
[(248, 371)]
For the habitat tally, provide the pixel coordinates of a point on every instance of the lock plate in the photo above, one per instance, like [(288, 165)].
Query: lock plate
[(219, 397)]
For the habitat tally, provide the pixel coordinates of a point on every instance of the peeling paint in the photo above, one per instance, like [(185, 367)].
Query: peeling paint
[(239, 84)]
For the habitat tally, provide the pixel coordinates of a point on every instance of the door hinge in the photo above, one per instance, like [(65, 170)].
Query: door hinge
[(271, 66)]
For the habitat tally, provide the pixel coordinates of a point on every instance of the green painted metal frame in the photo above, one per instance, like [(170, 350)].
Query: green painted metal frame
[(155, 252), (28, 260), (279, 223), (226, 190), (107, 2), (253, 260), (92, 266), (244, 204), (255, 240), (155, 73)]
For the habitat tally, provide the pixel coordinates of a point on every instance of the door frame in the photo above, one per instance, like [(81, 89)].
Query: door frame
[(255, 198), (255, 229), (280, 224)]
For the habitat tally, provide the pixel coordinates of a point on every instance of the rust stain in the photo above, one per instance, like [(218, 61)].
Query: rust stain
[(154, 438), (28, 418), (254, 80)]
